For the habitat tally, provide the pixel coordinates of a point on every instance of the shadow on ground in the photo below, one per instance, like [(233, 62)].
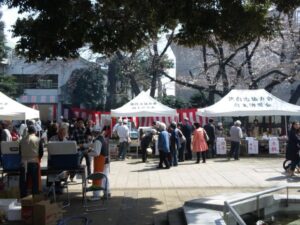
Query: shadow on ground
[(284, 176), (128, 209)]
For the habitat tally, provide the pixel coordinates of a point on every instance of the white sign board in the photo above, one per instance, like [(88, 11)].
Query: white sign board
[(156, 147), (252, 146), (221, 146), (273, 145)]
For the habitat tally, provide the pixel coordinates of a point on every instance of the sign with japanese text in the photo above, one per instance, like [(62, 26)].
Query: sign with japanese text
[(252, 146), (143, 105), (254, 102), (221, 146), (273, 145)]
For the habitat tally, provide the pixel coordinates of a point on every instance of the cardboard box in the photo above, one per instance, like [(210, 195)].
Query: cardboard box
[(13, 192), (27, 204), (10, 193), (30, 200), (46, 213)]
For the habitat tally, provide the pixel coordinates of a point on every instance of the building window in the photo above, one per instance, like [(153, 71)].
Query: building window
[(36, 81), (45, 84)]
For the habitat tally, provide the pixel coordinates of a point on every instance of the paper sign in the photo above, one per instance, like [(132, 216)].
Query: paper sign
[(252, 146), (156, 147), (221, 146), (273, 146)]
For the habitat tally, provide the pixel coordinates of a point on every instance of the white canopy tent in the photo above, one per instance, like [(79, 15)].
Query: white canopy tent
[(143, 105), (250, 103), (13, 110)]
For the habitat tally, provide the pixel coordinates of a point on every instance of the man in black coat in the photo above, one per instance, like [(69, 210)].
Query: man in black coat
[(187, 131), (292, 151), (210, 130)]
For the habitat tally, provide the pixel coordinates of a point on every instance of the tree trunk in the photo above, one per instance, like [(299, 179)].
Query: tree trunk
[(249, 62), (111, 85), (159, 88), (153, 83), (154, 74), (205, 66), (211, 95), (223, 70), (134, 85)]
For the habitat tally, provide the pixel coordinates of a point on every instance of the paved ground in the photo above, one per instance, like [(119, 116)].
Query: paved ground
[(141, 193)]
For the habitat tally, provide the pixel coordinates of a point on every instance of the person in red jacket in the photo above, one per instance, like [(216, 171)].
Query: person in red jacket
[(14, 134)]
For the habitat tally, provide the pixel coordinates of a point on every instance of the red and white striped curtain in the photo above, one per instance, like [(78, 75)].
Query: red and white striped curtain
[(146, 121), (181, 114), (191, 115), (86, 114)]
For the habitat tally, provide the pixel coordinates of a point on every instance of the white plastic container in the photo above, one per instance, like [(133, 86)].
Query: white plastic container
[(5, 204), (14, 212)]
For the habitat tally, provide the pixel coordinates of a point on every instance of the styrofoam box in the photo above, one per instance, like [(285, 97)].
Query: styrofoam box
[(14, 212), (5, 204)]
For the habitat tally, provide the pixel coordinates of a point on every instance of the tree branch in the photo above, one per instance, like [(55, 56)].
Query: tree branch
[(194, 86), (229, 58), (170, 40), (254, 82)]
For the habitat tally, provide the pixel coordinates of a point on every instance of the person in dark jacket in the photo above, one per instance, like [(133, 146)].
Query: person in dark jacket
[(210, 130), (182, 143), (174, 144), (187, 130), (292, 151), (146, 140)]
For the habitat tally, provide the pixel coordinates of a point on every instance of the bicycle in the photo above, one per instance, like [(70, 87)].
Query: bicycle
[(287, 165)]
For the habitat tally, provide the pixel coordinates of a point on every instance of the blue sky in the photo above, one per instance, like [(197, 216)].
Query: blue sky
[(9, 17)]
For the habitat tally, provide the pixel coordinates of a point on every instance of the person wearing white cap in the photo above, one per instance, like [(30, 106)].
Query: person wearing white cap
[(123, 134), (235, 136), (220, 130), (115, 128)]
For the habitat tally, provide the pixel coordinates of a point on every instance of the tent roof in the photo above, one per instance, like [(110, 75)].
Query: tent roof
[(250, 103), (13, 110), (143, 105)]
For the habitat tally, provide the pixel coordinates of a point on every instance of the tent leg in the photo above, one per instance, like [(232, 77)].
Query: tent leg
[(111, 128), (286, 129)]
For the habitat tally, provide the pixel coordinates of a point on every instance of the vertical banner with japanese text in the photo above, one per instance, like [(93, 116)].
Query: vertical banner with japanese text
[(252, 146), (221, 146), (273, 145)]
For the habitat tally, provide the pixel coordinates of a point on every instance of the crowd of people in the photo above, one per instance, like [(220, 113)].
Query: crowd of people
[(175, 143), (91, 139)]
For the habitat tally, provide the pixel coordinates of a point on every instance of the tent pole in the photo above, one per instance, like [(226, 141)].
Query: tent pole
[(111, 128), (286, 129)]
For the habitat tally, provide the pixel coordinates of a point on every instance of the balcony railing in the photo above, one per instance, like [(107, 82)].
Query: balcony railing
[(38, 85)]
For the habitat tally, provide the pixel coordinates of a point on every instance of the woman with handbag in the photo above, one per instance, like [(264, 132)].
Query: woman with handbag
[(199, 142)]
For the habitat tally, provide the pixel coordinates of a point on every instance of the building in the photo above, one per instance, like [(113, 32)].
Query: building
[(42, 82)]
